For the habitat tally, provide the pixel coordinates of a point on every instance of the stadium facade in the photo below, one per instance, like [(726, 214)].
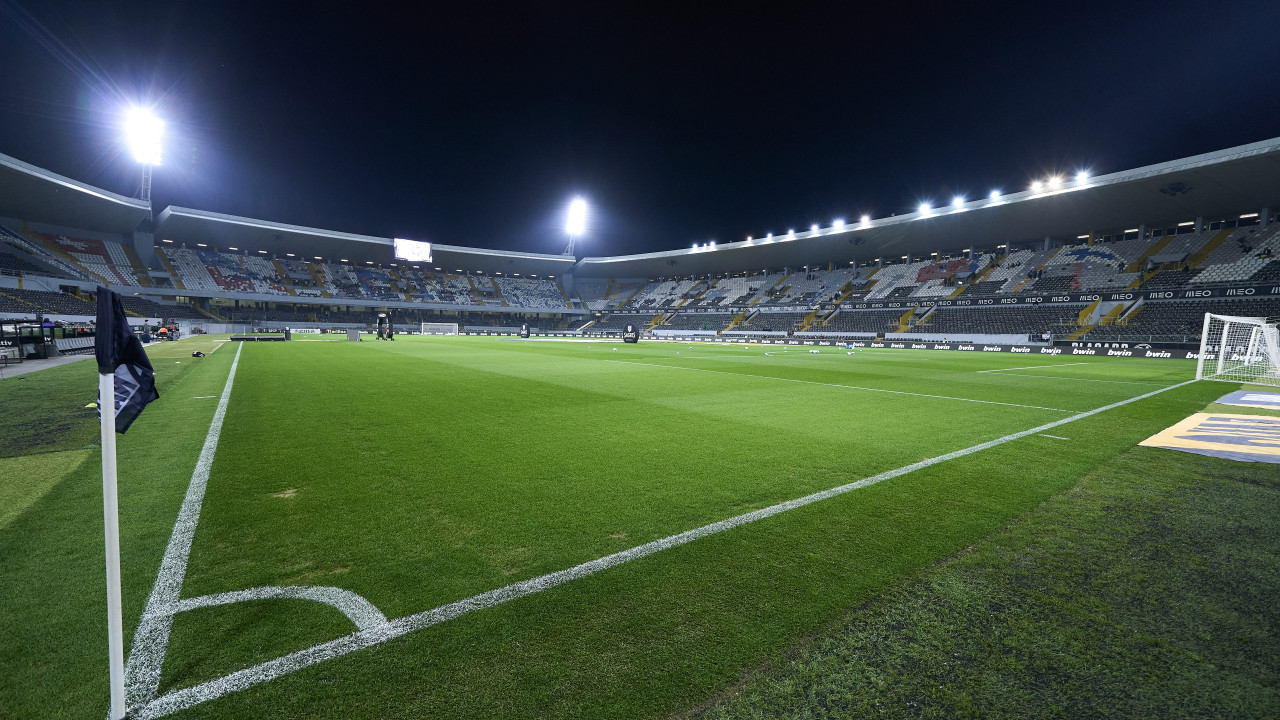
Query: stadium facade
[(1130, 257)]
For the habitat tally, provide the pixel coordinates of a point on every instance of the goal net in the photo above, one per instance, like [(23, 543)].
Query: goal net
[(439, 328), (1239, 349)]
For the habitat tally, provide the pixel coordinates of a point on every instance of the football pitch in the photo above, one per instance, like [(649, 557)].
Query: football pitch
[(484, 527)]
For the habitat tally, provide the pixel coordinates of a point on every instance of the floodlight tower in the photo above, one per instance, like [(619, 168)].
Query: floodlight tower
[(576, 223), (144, 133)]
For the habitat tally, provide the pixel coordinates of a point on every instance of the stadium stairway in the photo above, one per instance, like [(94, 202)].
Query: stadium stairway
[(282, 273), (565, 295), (168, 267), (317, 274), (736, 320), (1141, 260), (136, 267), (904, 322), (808, 320), (659, 319), (1199, 256)]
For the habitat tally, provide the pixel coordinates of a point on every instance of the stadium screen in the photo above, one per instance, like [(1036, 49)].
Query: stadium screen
[(412, 250)]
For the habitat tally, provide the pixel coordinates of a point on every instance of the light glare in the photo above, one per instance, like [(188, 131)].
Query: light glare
[(1082, 176), (144, 132), (838, 225), (957, 202), (577, 221)]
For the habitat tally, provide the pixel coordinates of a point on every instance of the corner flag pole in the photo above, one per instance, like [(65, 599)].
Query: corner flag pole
[(111, 516)]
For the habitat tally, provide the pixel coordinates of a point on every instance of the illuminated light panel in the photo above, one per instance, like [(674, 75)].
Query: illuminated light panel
[(144, 133), (838, 225), (576, 223)]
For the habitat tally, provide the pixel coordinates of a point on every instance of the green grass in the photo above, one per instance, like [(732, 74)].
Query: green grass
[(424, 471), (1147, 590)]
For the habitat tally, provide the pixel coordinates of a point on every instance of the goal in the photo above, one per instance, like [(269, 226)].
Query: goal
[(1240, 350), (439, 328)]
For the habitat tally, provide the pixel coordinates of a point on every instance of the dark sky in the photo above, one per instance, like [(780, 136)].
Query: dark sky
[(474, 124)]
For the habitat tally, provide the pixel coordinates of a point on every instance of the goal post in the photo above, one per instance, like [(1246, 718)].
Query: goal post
[(435, 328), (1240, 350)]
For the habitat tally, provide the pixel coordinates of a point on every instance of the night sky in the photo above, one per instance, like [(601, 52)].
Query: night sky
[(474, 124)]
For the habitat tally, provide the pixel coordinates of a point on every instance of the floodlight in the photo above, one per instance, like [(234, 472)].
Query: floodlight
[(865, 219), (769, 236), (144, 132), (1055, 181), (838, 225), (924, 208), (995, 195), (791, 234), (813, 228), (576, 223), (957, 202), (1082, 177), (1037, 186), (695, 246)]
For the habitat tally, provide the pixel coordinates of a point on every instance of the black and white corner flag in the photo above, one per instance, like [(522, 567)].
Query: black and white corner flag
[(120, 353)]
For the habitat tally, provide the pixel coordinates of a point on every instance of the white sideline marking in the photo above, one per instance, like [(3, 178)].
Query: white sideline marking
[(846, 387), (203, 397), (176, 700), (146, 655), (1055, 437), (1062, 377), (1033, 367)]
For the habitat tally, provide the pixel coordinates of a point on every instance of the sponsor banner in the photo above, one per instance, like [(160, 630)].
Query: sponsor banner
[(1072, 298), (1136, 352), (305, 331), (1244, 398), (1247, 438)]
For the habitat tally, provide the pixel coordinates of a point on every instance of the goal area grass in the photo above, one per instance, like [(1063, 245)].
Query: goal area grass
[(432, 470)]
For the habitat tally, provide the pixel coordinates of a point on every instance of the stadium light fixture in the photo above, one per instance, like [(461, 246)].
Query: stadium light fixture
[(289, 254), (838, 225), (236, 249), (957, 202), (201, 245), (813, 228), (865, 220), (262, 252), (769, 236), (995, 195), (1037, 186), (144, 133), (1055, 181), (166, 240), (1082, 177), (924, 208), (576, 223), (791, 234)]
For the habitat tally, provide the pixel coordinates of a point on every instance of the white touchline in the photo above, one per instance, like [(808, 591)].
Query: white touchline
[(1055, 437), (368, 636), (846, 387), (1060, 377), (1033, 367), (146, 655)]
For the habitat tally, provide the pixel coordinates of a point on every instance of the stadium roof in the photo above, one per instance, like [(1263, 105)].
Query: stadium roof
[(184, 225), (31, 193), (1213, 186)]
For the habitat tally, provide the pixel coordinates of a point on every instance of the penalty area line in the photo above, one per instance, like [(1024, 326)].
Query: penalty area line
[(1032, 367), (846, 387), (181, 699)]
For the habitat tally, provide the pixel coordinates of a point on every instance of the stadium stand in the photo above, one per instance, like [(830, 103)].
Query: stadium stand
[(1023, 320), (528, 292), (861, 321), (66, 267), (1179, 321), (40, 301), (618, 322)]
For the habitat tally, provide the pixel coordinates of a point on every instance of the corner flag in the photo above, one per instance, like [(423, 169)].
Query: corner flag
[(120, 353), (125, 376)]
